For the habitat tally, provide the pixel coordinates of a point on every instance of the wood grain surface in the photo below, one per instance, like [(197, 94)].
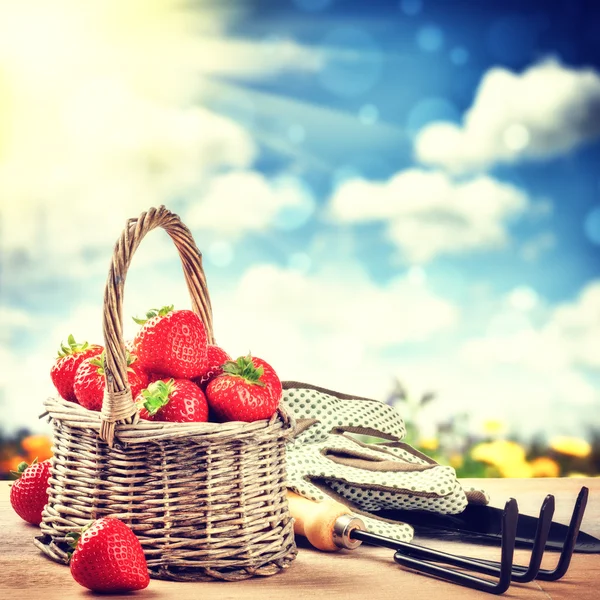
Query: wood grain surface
[(363, 573)]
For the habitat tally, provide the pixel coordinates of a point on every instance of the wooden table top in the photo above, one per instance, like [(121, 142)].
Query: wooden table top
[(25, 573)]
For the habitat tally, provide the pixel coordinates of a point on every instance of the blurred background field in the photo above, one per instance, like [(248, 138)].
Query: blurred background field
[(384, 191), (489, 451)]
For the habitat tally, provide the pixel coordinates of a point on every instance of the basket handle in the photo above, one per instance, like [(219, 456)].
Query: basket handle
[(117, 405)]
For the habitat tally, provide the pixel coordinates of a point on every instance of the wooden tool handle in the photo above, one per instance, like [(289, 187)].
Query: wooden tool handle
[(319, 522)]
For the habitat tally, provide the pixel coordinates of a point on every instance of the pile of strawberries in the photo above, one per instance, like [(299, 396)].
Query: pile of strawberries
[(173, 373)]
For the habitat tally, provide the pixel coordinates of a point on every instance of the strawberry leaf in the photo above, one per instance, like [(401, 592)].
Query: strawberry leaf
[(100, 362), (245, 368), (72, 347), (157, 395), (155, 312), (22, 467)]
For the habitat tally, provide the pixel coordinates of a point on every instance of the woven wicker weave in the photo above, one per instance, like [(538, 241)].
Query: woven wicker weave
[(206, 500)]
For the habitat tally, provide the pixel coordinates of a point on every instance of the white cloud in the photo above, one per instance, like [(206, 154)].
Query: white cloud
[(547, 110), (528, 363), (328, 327), (243, 201), (567, 339), (428, 214)]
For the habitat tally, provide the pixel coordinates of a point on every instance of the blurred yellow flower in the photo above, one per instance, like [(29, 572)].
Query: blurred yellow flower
[(571, 446), (429, 443), (499, 452), (577, 475), (545, 467), (519, 469), (494, 427), (456, 460)]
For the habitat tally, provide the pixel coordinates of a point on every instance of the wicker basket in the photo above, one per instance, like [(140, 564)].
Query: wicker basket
[(206, 500)]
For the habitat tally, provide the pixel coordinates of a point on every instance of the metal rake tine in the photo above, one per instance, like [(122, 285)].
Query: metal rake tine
[(569, 545), (521, 573), (412, 560)]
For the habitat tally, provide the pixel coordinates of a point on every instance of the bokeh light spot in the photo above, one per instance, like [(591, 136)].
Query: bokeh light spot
[(411, 7), (355, 62), (459, 55), (430, 38), (293, 216), (592, 225), (523, 298), (429, 110), (368, 114)]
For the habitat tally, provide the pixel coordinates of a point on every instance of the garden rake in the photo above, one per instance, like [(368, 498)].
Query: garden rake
[(330, 526)]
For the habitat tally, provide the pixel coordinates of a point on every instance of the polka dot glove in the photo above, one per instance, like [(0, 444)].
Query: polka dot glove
[(323, 460)]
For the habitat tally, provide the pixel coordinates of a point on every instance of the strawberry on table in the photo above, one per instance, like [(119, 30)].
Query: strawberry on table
[(90, 383), (175, 400), (216, 358), (172, 342), (108, 557), (67, 363), (29, 494), (247, 390)]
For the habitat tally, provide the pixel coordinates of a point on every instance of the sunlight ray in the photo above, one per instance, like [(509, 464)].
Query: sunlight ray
[(329, 132)]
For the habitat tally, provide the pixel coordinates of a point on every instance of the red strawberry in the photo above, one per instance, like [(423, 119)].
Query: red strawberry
[(247, 390), (175, 400), (217, 357), (90, 383), (29, 494), (65, 367), (172, 342), (108, 557)]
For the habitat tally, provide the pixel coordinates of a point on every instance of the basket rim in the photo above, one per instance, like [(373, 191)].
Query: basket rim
[(141, 431)]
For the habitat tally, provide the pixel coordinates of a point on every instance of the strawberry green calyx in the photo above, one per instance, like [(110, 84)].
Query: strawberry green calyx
[(155, 312), (156, 395), (72, 348), (22, 466), (99, 361), (131, 358), (244, 367), (74, 536)]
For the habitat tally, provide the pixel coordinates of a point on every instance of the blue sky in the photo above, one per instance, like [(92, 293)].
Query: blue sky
[(385, 189)]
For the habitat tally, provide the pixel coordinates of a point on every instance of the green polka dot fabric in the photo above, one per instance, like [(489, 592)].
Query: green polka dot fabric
[(333, 413), (325, 461)]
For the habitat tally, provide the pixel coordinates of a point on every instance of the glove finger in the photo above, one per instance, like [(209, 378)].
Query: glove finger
[(370, 499), (436, 485), (336, 411), (344, 449), (390, 529), (406, 452), (476, 495), (399, 450), (358, 457)]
